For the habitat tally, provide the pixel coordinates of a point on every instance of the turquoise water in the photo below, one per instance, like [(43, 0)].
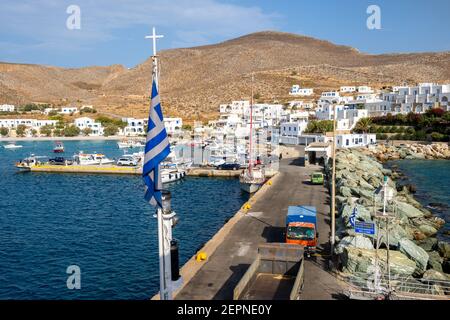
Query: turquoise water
[(100, 223), (432, 180)]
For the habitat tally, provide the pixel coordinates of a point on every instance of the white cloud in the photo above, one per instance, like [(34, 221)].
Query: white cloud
[(42, 24)]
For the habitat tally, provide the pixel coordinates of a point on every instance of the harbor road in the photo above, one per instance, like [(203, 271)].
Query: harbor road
[(263, 223)]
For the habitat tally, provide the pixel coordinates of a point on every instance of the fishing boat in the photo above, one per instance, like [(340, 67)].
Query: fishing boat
[(87, 159), (124, 144), (252, 178), (59, 147), (31, 161), (12, 146)]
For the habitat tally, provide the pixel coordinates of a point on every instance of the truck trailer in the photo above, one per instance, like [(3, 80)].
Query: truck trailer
[(276, 274)]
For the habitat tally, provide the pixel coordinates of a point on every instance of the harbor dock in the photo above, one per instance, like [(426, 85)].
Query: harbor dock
[(114, 169), (231, 251)]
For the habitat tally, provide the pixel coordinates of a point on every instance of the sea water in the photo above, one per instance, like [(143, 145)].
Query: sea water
[(100, 223), (432, 181)]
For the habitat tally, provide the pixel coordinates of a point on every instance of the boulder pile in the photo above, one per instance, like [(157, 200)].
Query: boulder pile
[(412, 228), (411, 151)]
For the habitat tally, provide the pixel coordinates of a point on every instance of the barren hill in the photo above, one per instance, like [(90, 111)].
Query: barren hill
[(195, 80)]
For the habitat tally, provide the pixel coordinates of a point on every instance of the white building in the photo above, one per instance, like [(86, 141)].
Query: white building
[(353, 140), (347, 89), (134, 126), (364, 89), (31, 124), (296, 90), (86, 122), (68, 110), (7, 108), (173, 125)]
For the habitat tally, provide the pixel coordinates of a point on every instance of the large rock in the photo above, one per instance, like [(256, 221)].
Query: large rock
[(355, 260), (444, 249), (435, 275), (396, 232), (407, 210), (345, 192), (415, 253), (428, 230), (435, 261), (427, 244), (357, 241)]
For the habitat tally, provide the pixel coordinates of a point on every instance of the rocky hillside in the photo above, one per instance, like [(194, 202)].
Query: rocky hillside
[(195, 80)]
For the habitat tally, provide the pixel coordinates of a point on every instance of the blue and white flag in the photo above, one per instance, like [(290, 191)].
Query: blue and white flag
[(352, 218), (157, 148)]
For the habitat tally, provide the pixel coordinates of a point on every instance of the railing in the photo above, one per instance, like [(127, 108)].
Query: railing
[(366, 286)]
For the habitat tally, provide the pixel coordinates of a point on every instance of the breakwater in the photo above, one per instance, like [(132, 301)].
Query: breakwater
[(414, 248)]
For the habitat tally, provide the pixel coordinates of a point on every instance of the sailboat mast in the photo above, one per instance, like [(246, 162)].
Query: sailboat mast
[(251, 130)]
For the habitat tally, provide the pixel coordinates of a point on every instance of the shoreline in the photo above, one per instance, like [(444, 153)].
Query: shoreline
[(77, 138)]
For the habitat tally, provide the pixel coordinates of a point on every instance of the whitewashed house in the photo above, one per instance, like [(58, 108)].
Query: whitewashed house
[(364, 89), (134, 126), (347, 89), (7, 108), (86, 122), (296, 90), (173, 125), (68, 110)]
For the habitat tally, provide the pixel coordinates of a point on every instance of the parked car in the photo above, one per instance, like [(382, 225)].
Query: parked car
[(229, 166), (57, 161), (317, 178), (127, 161)]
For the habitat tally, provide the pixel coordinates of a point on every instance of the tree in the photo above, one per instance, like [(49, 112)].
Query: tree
[(187, 127), (34, 132), (46, 130), (86, 131), (363, 125), (322, 126), (58, 133), (20, 131), (71, 131), (4, 131), (110, 130)]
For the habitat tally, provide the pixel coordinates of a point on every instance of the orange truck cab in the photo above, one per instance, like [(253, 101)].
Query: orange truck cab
[(301, 227)]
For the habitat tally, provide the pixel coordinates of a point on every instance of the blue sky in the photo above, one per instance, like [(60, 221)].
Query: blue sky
[(112, 31)]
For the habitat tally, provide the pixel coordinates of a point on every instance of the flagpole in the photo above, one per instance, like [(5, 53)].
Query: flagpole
[(164, 218)]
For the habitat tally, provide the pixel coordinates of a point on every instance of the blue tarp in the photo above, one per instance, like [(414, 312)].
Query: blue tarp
[(301, 214)]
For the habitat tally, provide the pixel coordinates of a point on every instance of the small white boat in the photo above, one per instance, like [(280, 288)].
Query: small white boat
[(87, 159), (12, 146), (124, 144), (169, 175)]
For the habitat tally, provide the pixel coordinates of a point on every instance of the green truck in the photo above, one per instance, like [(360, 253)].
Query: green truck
[(317, 178)]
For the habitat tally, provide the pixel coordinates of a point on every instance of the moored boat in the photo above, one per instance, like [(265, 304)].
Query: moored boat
[(59, 147), (91, 159), (12, 146), (171, 175)]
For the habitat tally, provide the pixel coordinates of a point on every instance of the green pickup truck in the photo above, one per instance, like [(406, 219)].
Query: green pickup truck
[(317, 178)]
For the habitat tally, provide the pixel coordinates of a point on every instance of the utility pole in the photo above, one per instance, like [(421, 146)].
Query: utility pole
[(333, 186)]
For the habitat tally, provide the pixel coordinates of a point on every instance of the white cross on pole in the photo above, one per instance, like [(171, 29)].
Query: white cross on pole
[(154, 36)]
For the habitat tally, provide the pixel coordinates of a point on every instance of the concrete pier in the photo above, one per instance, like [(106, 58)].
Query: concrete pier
[(231, 251)]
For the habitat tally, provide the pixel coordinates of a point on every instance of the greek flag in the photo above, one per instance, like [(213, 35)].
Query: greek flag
[(352, 218), (157, 148)]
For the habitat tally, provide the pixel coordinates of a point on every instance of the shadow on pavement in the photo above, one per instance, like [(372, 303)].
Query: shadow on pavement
[(226, 291)]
